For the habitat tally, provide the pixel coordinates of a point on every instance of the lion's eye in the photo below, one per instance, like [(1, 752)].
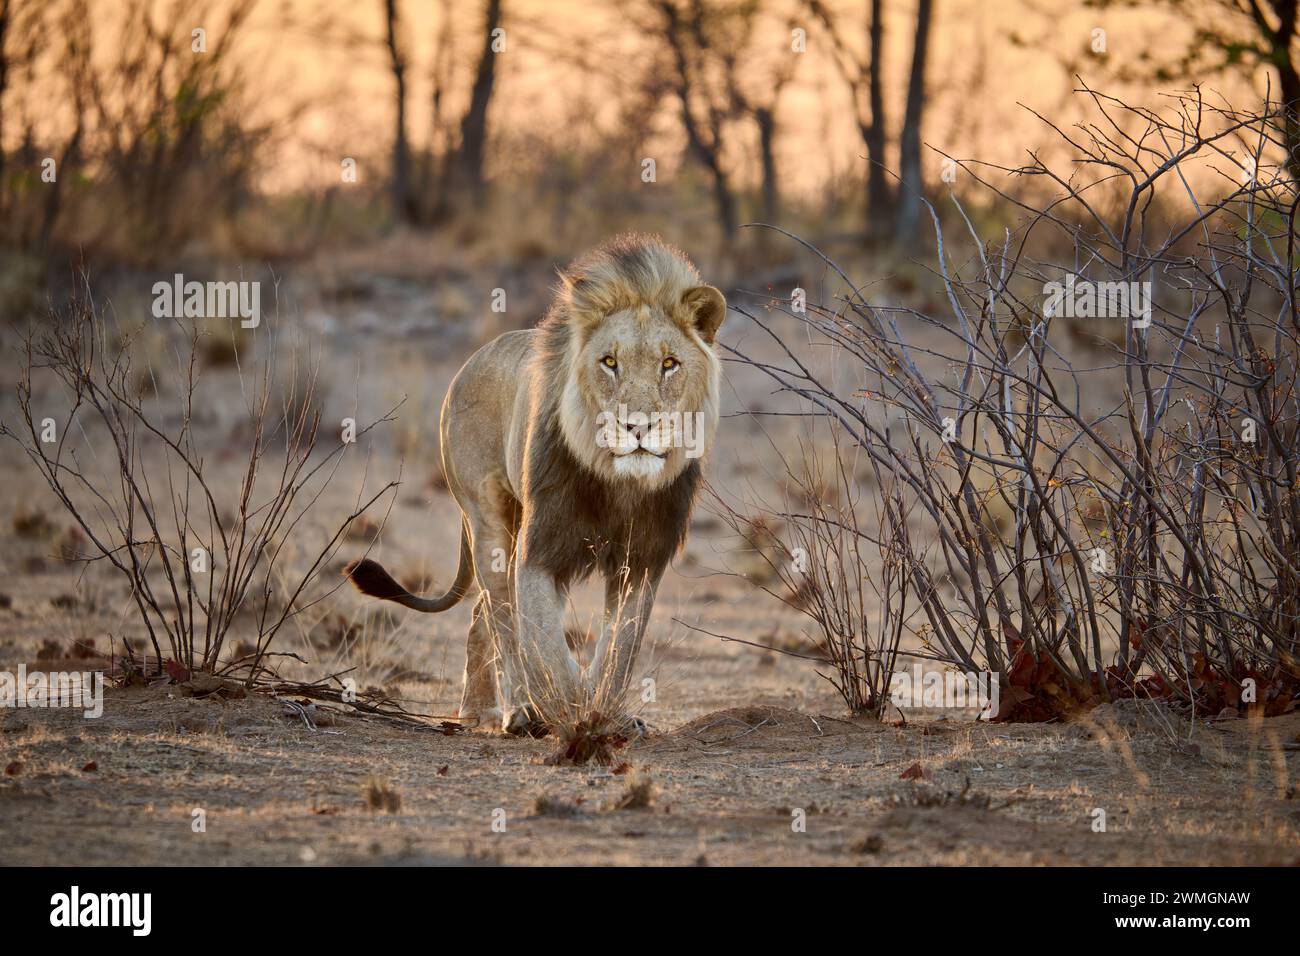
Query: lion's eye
[(609, 362), (670, 363)]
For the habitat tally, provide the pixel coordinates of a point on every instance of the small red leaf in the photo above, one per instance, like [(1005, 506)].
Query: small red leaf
[(90, 767), (13, 769), (913, 772), (177, 671)]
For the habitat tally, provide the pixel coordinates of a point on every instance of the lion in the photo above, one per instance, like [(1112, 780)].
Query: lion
[(573, 448)]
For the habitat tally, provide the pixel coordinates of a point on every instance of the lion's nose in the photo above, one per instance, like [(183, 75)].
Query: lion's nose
[(638, 426)]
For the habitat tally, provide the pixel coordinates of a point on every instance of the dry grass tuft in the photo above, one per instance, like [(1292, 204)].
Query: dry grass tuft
[(33, 524), (638, 794), (594, 739), (548, 806), (381, 796)]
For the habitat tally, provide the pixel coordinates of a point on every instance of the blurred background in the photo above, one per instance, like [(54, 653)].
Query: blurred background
[(426, 138)]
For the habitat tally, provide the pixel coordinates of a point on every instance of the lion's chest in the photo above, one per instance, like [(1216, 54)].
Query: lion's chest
[(575, 523)]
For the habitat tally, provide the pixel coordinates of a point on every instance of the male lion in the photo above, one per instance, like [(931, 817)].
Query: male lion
[(563, 446)]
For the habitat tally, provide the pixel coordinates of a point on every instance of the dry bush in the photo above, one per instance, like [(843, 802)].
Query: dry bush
[(592, 738), (1128, 526), (146, 496)]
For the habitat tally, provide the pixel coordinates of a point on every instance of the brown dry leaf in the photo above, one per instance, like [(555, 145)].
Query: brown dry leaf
[(913, 772), (177, 671)]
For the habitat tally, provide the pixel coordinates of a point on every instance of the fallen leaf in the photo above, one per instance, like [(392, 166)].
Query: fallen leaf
[(13, 769), (177, 671), (90, 767), (913, 772)]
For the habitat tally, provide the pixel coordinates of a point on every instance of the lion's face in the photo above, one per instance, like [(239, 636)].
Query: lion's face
[(643, 397)]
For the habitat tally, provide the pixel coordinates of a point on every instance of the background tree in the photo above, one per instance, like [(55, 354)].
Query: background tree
[(465, 167), (909, 147), (1251, 33), (705, 109), (863, 76), (403, 206), (439, 147), (6, 14), (1230, 36), (756, 89)]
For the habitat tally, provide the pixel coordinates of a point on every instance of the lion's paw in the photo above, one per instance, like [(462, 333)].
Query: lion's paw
[(525, 722), (484, 718)]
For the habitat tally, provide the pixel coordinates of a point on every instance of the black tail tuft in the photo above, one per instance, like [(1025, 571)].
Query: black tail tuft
[(370, 578)]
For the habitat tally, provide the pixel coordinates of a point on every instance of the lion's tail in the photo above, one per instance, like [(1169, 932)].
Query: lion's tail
[(370, 578)]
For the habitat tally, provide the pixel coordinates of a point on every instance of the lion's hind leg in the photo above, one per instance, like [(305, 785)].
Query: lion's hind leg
[(479, 700), (492, 650)]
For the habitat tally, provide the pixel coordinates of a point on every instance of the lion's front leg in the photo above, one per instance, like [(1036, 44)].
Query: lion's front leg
[(629, 600), (546, 677)]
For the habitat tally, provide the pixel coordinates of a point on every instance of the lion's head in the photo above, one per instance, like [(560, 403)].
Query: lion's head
[(635, 330)]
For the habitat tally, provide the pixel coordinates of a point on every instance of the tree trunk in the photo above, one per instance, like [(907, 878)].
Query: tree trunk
[(909, 160), (1290, 92), (439, 150), (879, 199), (766, 120), (726, 205), (54, 195), (468, 170), (707, 151), (403, 209), (4, 82), (1289, 80)]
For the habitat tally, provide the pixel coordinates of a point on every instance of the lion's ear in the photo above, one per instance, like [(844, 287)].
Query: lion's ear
[(708, 307), (579, 290)]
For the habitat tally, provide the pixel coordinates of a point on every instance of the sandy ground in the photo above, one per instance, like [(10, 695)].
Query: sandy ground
[(751, 758), (730, 787)]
